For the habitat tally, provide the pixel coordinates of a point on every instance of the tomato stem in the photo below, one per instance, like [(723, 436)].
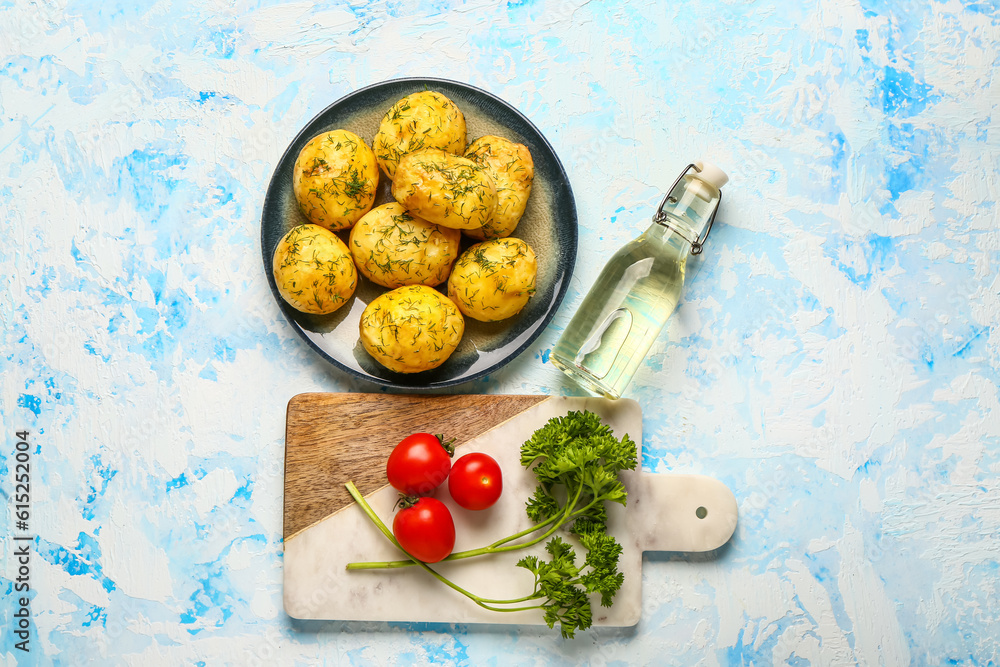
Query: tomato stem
[(449, 445)]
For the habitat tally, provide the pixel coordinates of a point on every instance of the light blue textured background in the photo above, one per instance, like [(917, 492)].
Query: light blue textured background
[(835, 360)]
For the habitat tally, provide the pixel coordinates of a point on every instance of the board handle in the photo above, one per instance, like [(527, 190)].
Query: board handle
[(674, 512)]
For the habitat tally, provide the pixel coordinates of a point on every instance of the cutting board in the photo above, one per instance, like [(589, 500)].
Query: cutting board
[(333, 438)]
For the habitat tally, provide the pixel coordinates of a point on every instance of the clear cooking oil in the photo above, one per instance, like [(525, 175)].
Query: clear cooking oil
[(637, 291)]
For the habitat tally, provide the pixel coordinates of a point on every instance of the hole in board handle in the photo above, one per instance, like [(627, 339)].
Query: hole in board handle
[(701, 512)]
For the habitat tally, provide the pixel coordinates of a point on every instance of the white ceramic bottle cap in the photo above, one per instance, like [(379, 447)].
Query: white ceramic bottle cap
[(708, 172)]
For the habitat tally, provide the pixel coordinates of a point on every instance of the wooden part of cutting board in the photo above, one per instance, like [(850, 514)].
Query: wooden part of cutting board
[(333, 438)]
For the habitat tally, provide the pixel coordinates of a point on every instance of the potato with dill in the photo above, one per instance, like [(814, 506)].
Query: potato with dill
[(510, 166), (411, 329), (313, 270), (493, 280), (334, 179), (448, 190), (393, 248), (425, 119)]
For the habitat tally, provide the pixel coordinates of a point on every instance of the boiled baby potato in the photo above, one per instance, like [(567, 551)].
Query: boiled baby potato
[(393, 248), (411, 329), (313, 270), (334, 179), (493, 280), (512, 170), (445, 189), (421, 120)]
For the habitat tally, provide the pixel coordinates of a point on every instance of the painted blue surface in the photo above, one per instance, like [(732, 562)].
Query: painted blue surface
[(834, 361)]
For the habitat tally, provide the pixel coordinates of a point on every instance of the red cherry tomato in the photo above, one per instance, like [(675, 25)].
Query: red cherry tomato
[(475, 482), (425, 529), (419, 464)]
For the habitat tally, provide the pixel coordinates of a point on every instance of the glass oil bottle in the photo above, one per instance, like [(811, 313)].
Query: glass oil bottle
[(638, 289)]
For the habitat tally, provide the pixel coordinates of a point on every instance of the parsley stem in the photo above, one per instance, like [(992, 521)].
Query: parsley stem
[(485, 603), (353, 490), (500, 546)]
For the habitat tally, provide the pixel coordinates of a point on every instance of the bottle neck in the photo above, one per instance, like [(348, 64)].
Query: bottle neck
[(688, 208)]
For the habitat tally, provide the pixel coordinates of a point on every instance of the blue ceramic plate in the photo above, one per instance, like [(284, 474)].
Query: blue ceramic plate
[(549, 226)]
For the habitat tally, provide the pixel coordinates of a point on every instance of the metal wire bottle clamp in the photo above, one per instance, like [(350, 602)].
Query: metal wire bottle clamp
[(661, 218)]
